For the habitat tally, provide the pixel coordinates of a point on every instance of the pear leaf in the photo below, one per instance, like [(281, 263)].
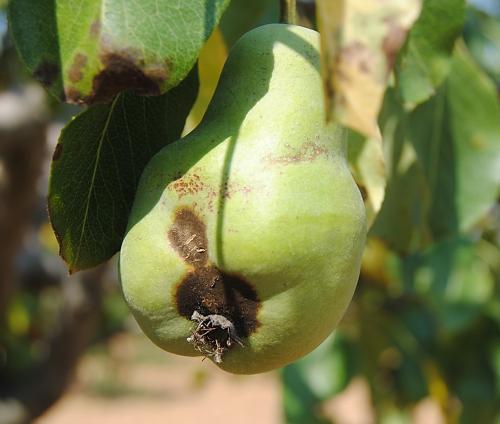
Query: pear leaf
[(97, 164), (444, 160), (210, 64), (359, 42), (366, 158), (89, 51), (428, 53)]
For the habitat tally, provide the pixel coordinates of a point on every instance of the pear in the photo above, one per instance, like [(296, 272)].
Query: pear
[(245, 238)]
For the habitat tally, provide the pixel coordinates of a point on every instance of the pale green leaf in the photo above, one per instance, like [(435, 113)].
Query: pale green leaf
[(426, 60)]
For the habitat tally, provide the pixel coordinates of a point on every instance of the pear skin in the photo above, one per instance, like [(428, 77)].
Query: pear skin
[(245, 238)]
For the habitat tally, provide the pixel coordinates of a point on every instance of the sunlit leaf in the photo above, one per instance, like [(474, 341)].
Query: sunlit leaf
[(88, 51), (426, 60), (210, 64), (316, 377), (456, 137), (360, 41), (444, 160)]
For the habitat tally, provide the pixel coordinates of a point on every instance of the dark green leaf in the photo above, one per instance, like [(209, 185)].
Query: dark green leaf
[(399, 217), (97, 164), (455, 282), (91, 50), (425, 62)]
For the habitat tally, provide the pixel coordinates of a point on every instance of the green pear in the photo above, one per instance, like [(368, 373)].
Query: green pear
[(245, 238)]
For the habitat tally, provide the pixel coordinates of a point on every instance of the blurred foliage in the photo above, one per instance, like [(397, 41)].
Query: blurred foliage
[(424, 323), (425, 320)]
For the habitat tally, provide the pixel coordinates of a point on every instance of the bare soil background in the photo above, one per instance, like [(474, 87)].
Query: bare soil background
[(130, 380)]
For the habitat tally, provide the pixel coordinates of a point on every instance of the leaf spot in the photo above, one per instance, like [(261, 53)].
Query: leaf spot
[(75, 73)]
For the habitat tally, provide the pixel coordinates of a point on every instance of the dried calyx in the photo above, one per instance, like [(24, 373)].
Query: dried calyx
[(213, 336)]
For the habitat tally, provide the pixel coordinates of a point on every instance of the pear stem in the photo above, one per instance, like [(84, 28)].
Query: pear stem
[(289, 11)]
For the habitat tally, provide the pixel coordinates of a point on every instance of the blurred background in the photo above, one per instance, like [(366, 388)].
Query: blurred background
[(420, 342)]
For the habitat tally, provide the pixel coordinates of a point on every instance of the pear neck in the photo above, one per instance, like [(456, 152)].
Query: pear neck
[(336, 137)]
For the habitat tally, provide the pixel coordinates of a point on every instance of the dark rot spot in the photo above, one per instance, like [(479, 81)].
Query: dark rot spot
[(75, 73), (188, 237), (47, 73), (121, 72), (57, 152), (209, 291), (224, 306)]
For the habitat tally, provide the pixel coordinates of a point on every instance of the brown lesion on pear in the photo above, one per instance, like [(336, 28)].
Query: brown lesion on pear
[(224, 306), (307, 152), (187, 236)]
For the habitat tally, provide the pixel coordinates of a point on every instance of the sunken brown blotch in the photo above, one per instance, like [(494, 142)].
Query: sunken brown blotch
[(188, 237), (206, 289), (210, 291)]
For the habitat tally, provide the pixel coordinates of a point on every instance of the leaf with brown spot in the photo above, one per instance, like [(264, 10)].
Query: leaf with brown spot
[(93, 50), (360, 41), (97, 165)]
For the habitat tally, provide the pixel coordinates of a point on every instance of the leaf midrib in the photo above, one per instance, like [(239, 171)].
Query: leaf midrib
[(94, 173)]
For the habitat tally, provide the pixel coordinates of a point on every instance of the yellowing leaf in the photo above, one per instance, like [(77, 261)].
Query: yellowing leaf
[(210, 64), (360, 40)]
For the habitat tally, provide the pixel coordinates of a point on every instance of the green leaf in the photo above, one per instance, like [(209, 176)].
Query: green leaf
[(482, 36), (457, 143), (97, 164), (321, 374), (455, 281), (426, 60), (399, 218), (89, 51), (444, 160)]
